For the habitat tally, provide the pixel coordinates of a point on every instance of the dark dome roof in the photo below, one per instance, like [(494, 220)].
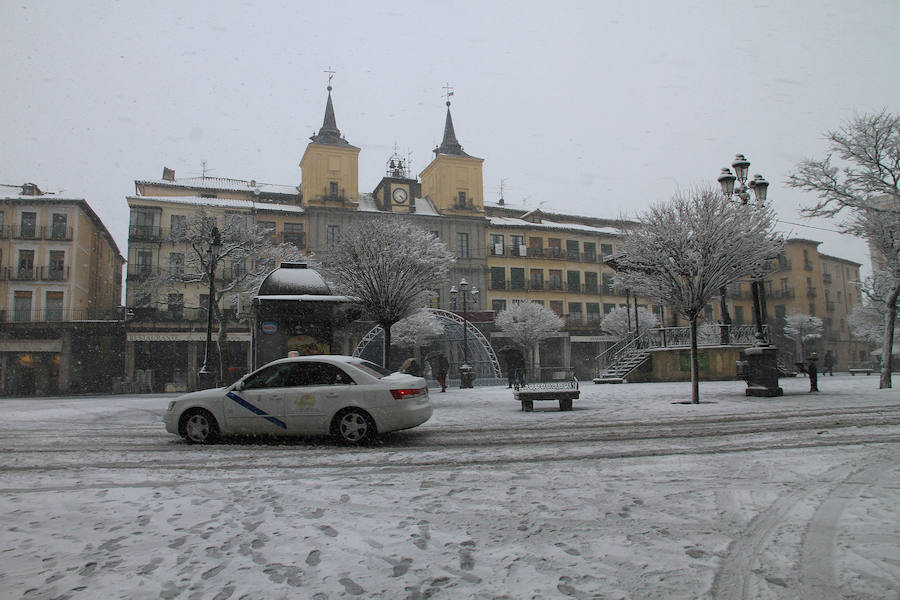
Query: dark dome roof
[(291, 279)]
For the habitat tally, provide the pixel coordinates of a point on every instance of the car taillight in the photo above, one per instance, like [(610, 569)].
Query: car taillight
[(405, 393)]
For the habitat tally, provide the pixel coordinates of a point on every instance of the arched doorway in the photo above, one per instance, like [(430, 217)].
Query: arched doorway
[(481, 355)]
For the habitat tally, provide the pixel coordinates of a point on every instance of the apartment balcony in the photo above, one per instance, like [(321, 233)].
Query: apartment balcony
[(27, 233), (22, 273), (145, 233), (826, 277), (142, 272), (58, 233), (56, 273), (811, 292), (807, 265), (591, 288), (5, 233)]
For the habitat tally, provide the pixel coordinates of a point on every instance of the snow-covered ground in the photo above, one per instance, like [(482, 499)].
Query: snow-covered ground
[(630, 495)]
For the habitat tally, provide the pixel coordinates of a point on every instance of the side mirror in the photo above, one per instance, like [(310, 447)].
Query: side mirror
[(238, 386)]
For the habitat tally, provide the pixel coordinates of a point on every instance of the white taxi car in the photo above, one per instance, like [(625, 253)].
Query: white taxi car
[(344, 396)]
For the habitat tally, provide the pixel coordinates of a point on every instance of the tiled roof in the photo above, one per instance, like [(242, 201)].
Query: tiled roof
[(220, 202), (224, 184), (545, 224)]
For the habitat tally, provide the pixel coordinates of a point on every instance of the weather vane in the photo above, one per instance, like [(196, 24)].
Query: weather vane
[(331, 73), (448, 91)]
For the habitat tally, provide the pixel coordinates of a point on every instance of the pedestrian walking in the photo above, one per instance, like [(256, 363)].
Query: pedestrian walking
[(440, 366), (828, 363), (812, 370)]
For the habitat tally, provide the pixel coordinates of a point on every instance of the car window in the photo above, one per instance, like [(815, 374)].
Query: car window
[(371, 368), (269, 377), (317, 373)]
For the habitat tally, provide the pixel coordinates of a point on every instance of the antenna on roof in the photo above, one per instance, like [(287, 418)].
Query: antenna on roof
[(331, 73), (448, 91), (501, 202), (203, 167)]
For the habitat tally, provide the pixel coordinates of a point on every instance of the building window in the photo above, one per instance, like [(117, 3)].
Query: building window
[(26, 265), (780, 315), (554, 247), (144, 262), (608, 307), (556, 306), (572, 252), (517, 242), (293, 234), (59, 226), (332, 234), (57, 266), (498, 305), (498, 278), (590, 251), (178, 226), (143, 223), (593, 312), (535, 246), (812, 309), (606, 250), (575, 311), (176, 306), (496, 244), (22, 306), (462, 245), (556, 279), (176, 264), (537, 279), (517, 278), (590, 283), (461, 199), (333, 189), (28, 226), (738, 315), (267, 228), (53, 308), (607, 284), (573, 281)]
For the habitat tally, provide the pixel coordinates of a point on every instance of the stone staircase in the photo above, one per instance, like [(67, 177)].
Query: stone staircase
[(627, 362)]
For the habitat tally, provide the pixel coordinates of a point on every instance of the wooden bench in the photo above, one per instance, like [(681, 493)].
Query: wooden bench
[(563, 392), (866, 370)]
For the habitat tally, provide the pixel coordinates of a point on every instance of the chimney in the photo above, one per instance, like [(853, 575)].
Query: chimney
[(168, 174)]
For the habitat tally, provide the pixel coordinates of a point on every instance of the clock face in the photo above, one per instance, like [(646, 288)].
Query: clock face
[(399, 195)]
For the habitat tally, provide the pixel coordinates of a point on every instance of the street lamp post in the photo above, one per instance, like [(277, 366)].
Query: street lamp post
[(466, 376), (205, 375), (761, 360)]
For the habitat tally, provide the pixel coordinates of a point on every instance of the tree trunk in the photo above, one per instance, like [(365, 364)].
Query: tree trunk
[(887, 342), (695, 365), (386, 353)]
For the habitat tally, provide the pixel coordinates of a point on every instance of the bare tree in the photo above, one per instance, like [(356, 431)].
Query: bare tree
[(803, 328), (526, 324), (416, 329), (241, 257), (618, 322), (391, 265), (867, 186), (684, 251)]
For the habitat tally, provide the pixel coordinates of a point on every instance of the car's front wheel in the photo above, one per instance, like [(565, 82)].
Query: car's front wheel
[(353, 426), (198, 426)]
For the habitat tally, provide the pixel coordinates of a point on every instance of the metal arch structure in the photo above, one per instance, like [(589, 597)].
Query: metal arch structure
[(448, 316)]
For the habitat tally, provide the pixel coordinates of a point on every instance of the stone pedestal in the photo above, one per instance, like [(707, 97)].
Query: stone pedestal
[(761, 371)]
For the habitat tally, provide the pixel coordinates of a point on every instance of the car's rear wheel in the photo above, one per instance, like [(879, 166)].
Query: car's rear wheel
[(198, 426), (353, 426)]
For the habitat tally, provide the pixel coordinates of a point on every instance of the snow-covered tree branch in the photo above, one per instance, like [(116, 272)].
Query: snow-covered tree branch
[(391, 265), (620, 321), (866, 184), (526, 324), (684, 251)]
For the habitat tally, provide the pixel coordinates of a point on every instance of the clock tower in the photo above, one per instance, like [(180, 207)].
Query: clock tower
[(397, 192)]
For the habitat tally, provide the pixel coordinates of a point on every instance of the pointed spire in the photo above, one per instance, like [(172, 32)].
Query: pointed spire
[(449, 145), (329, 133)]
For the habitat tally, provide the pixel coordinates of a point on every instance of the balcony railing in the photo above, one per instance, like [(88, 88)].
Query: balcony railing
[(59, 233), (144, 232), (55, 273), (51, 273), (811, 292), (59, 315), (826, 277)]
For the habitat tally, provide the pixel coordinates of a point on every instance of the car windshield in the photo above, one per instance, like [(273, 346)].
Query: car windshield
[(371, 368)]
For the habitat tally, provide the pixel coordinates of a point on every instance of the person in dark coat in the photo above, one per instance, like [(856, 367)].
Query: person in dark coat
[(440, 366), (812, 370), (828, 363)]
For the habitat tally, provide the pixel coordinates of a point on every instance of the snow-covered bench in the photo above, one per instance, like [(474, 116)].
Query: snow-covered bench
[(561, 391)]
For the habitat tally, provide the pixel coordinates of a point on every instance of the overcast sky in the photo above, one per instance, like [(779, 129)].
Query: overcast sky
[(593, 107)]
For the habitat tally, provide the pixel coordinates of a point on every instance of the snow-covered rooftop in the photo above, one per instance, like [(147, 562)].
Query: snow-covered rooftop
[(423, 206), (545, 224), (224, 184), (220, 202)]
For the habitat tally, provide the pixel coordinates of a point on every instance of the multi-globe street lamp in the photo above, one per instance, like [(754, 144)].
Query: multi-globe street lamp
[(215, 242), (466, 376), (759, 186), (759, 366)]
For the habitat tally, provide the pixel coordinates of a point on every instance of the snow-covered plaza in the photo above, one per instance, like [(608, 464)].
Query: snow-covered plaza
[(630, 495)]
